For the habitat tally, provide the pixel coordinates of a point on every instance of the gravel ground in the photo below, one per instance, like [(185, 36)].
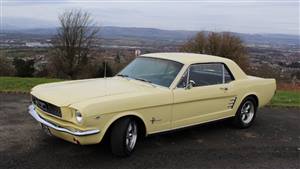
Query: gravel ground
[(272, 142)]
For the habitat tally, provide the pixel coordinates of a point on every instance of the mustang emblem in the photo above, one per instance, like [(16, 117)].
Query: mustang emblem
[(154, 120)]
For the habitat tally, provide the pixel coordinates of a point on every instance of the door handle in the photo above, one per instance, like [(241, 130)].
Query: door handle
[(224, 88)]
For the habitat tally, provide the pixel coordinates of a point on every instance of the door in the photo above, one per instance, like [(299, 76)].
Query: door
[(205, 93)]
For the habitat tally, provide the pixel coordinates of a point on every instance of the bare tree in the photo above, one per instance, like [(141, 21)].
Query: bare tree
[(73, 42), (220, 44)]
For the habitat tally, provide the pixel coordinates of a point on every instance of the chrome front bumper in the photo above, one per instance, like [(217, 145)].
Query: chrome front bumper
[(35, 115)]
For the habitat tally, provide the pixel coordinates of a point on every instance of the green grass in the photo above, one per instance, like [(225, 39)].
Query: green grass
[(19, 84), (286, 98)]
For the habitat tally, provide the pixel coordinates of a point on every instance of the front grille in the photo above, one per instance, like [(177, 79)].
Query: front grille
[(46, 107)]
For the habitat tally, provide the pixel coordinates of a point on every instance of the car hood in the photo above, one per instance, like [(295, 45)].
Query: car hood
[(70, 92)]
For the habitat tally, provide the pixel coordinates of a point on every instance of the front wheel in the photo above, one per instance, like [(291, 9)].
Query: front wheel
[(123, 137), (246, 113)]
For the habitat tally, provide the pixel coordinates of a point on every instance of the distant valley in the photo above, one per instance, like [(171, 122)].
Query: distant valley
[(153, 36)]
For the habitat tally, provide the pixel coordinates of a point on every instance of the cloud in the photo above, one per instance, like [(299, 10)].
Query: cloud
[(238, 16)]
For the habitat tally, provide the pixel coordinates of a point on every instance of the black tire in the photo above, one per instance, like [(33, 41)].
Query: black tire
[(238, 120), (118, 137)]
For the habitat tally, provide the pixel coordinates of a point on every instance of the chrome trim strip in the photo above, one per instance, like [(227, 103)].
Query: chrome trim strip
[(35, 115), (189, 125)]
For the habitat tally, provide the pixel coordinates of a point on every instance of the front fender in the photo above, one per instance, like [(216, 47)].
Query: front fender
[(117, 116)]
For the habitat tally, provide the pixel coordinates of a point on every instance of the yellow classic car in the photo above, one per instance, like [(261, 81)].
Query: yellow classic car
[(155, 93)]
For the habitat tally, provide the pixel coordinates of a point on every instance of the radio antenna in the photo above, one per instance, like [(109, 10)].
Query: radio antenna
[(104, 68)]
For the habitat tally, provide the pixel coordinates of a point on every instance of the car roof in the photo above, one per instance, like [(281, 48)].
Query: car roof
[(192, 58), (187, 58)]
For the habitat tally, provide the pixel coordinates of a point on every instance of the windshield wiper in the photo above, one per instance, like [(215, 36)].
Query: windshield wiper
[(122, 75), (144, 80)]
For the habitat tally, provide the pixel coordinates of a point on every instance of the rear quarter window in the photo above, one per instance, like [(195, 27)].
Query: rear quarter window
[(204, 74)]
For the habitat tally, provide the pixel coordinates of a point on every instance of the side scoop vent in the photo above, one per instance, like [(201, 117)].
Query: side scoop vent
[(232, 102)]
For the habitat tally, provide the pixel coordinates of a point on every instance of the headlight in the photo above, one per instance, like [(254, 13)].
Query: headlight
[(78, 116)]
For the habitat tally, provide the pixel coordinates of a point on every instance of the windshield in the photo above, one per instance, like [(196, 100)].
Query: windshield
[(152, 70)]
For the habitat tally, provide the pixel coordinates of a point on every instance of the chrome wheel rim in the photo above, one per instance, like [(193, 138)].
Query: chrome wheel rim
[(247, 112), (131, 136)]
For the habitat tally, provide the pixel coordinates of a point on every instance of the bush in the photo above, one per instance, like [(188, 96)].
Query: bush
[(43, 72), (24, 68), (6, 67)]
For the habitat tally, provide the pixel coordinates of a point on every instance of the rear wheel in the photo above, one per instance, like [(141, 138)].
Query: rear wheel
[(124, 136), (246, 113)]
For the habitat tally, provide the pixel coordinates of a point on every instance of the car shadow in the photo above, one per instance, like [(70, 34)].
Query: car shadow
[(148, 143), (198, 140)]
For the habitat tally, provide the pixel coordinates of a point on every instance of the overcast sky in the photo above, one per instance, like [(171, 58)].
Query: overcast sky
[(244, 16)]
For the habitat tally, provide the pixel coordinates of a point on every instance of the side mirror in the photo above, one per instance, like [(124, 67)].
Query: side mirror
[(190, 85)]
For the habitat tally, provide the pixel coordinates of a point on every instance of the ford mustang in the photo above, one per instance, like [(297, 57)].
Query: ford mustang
[(155, 93)]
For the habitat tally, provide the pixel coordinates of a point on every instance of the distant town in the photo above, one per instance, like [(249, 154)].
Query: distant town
[(279, 52)]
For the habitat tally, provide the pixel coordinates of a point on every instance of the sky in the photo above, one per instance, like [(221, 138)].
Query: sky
[(244, 16)]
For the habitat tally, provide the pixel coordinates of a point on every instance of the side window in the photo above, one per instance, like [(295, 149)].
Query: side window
[(207, 74)]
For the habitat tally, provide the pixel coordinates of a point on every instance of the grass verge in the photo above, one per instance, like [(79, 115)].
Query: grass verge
[(20, 84), (286, 98)]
